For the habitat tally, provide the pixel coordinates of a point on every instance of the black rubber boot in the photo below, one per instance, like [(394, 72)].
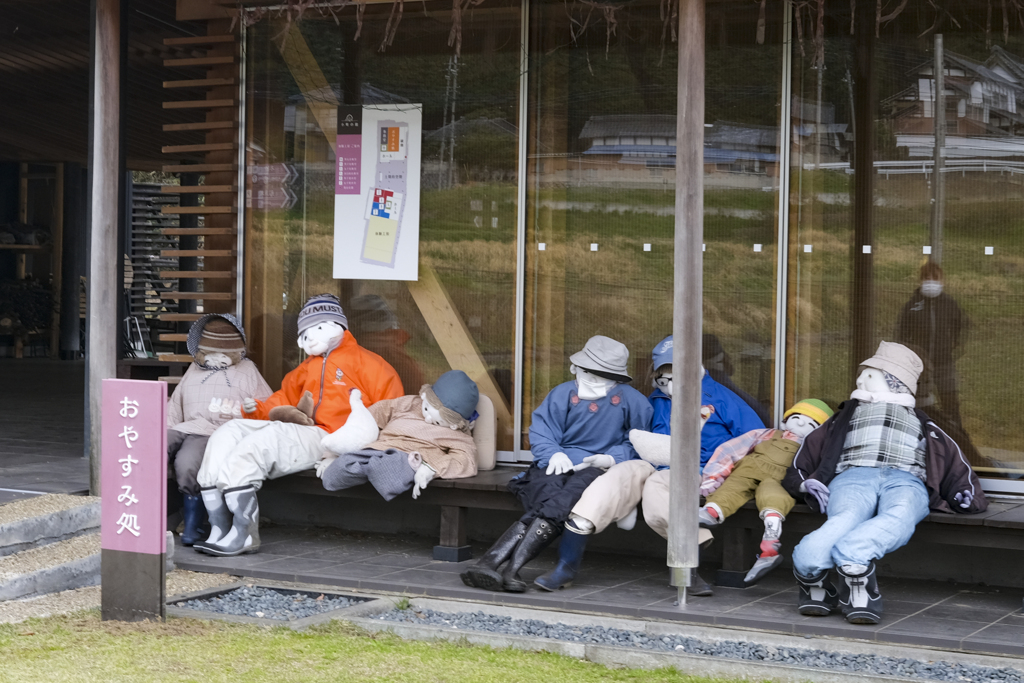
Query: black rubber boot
[(194, 513), (698, 587), (538, 536), (570, 557), (817, 597), (859, 597), (484, 574)]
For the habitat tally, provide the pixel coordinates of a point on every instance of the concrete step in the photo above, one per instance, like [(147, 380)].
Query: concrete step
[(33, 522), (59, 566)]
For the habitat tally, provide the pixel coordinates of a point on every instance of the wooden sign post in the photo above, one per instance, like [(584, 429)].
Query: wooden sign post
[(134, 499)]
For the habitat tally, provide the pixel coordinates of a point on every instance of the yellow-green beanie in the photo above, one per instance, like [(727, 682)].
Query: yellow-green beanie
[(812, 408)]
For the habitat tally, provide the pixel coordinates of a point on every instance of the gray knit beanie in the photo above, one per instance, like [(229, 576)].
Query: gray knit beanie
[(319, 309)]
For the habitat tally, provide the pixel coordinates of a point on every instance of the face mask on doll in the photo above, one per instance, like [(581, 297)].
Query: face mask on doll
[(872, 380), (931, 288), (217, 361), (432, 415), (801, 425), (590, 387), (321, 338), (664, 381)]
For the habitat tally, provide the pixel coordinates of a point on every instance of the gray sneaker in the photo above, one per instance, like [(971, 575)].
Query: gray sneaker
[(706, 519), (761, 567)]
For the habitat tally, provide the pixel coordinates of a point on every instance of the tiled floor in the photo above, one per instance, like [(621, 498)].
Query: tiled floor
[(942, 615), (42, 418)]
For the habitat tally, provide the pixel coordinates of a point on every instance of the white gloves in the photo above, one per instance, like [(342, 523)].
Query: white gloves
[(654, 448), (249, 405), (559, 464), (424, 475), (602, 460), (324, 464)]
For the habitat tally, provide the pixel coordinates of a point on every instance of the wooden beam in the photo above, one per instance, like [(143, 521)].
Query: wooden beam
[(199, 104), (197, 189), (199, 168), (687, 311), (198, 125), (196, 252), (199, 40), (57, 260), (175, 357), (200, 61), (207, 147), (310, 79), (198, 274), (197, 210), (199, 231), (180, 317), (456, 342), (105, 268), (198, 296), (199, 83), (175, 337)]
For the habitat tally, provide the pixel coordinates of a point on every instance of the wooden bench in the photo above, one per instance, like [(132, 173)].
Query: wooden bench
[(1001, 526), (486, 491)]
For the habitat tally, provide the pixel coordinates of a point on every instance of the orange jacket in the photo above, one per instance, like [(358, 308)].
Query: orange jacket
[(347, 367)]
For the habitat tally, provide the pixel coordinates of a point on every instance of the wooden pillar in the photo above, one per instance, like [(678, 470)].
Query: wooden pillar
[(104, 269), (863, 292), (687, 298), (57, 258)]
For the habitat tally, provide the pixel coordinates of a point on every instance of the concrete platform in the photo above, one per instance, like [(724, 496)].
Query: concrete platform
[(946, 616), (42, 427)]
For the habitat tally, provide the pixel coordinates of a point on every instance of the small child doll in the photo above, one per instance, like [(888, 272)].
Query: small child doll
[(753, 466), (420, 438), (210, 393)]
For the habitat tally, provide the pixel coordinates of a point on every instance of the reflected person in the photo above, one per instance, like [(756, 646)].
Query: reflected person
[(933, 321)]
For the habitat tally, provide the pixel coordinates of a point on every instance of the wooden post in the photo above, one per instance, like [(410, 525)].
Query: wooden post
[(863, 294), (105, 265), (687, 298), (57, 257), (939, 124)]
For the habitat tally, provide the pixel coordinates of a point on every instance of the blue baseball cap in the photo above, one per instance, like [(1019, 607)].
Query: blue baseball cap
[(663, 352)]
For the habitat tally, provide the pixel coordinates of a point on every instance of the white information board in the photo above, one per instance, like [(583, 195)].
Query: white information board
[(377, 192)]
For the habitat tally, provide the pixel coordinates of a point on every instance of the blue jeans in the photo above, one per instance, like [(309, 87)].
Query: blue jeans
[(871, 511)]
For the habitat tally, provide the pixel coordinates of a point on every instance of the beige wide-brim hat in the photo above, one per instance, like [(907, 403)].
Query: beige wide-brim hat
[(604, 354), (898, 361)]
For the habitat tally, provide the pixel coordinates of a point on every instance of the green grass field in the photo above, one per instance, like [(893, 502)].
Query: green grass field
[(83, 648)]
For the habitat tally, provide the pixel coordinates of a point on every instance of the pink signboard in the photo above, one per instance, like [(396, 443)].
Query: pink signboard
[(133, 479)]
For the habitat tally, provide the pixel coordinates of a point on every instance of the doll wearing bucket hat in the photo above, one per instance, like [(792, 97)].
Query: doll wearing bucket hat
[(876, 468), (752, 467), (415, 439), (282, 434), (209, 394), (579, 430)]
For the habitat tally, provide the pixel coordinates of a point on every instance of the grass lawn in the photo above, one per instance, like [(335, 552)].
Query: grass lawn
[(80, 647)]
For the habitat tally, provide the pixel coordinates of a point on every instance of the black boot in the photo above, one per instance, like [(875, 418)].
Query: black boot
[(698, 587), (194, 513), (538, 536), (570, 557), (817, 597), (859, 597), (484, 574)]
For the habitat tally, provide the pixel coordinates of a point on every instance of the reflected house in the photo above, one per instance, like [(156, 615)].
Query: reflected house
[(814, 124), (640, 151), (983, 102)]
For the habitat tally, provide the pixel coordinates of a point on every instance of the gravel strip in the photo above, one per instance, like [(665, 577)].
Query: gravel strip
[(748, 651), (38, 506), (254, 601), (49, 555), (65, 602)]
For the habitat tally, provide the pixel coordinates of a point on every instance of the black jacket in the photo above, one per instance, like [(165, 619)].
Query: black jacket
[(934, 324), (947, 472)]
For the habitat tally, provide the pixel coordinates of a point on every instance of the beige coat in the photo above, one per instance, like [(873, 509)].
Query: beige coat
[(189, 407), (451, 453)]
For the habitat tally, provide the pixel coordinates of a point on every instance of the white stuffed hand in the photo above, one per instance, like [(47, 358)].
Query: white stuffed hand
[(424, 475), (602, 460), (324, 463), (559, 464), (654, 448), (248, 405), (964, 499)]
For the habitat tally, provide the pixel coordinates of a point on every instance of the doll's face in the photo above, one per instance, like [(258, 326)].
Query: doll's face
[(590, 387), (321, 338), (872, 380), (218, 361), (663, 380), (801, 425), (432, 415)]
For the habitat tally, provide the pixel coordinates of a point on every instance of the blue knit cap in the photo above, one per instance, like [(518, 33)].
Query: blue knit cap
[(319, 309), (457, 392)]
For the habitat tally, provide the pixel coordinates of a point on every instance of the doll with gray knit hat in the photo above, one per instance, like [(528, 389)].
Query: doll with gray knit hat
[(282, 434), (415, 440), (876, 468), (210, 393), (580, 430)]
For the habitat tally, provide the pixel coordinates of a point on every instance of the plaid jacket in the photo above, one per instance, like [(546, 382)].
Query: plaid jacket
[(884, 435), (947, 471)]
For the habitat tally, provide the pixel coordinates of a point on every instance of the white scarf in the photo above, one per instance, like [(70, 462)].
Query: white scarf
[(906, 400)]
